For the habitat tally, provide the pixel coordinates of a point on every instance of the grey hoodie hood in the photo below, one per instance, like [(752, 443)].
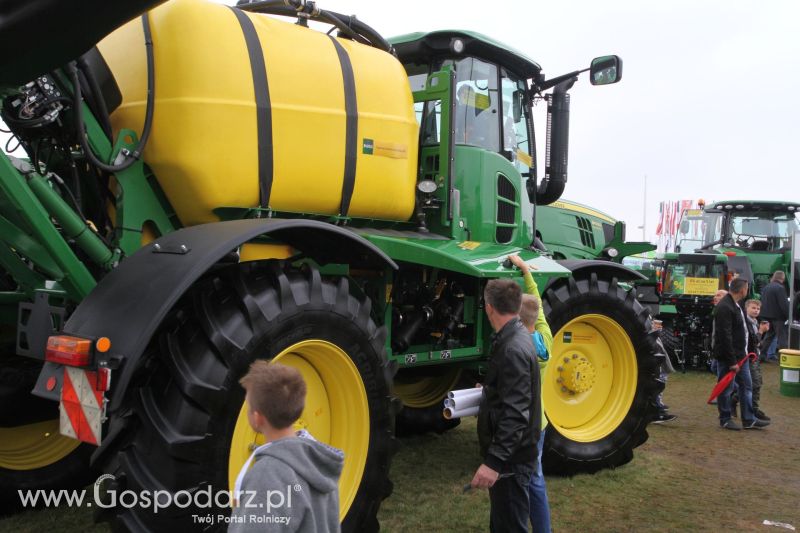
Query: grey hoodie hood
[(308, 471), (314, 461)]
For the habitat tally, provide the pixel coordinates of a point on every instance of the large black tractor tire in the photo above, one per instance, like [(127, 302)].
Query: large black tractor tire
[(422, 395), (602, 379), (187, 403), (33, 455), (674, 347)]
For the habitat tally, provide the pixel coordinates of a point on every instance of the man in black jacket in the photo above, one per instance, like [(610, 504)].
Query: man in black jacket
[(775, 308), (509, 419), (730, 346)]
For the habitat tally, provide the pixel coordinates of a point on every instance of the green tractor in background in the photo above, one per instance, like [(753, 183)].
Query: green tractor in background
[(688, 283), (339, 210), (751, 239), (569, 231), (756, 236)]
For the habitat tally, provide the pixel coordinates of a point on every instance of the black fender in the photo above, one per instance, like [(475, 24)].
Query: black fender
[(129, 304), (603, 269)]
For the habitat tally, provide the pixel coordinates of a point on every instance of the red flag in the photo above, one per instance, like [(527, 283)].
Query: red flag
[(660, 225), (723, 383), (675, 217)]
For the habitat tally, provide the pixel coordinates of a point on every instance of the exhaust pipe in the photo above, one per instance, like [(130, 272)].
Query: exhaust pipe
[(555, 178)]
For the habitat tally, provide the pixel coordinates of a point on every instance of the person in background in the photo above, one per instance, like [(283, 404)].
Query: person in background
[(730, 346), (719, 295), (276, 397), (509, 417), (752, 309), (535, 322), (664, 371), (775, 308)]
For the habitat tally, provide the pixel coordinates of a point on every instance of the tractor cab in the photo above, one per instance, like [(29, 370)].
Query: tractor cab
[(748, 226), (473, 99), (755, 235)]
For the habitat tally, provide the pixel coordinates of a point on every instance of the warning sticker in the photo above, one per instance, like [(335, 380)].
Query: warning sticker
[(579, 338), (468, 245), (82, 406), (701, 286), (391, 150), (384, 149), (525, 158)]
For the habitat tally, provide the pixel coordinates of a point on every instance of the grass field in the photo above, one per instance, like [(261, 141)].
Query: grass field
[(678, 480)]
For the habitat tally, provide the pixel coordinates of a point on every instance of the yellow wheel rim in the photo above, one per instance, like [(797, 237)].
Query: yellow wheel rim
[(34, 446), (425, 391), (590, 381), (336, 412)]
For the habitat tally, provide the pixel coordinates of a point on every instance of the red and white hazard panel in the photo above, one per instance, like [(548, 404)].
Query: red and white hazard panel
[(82, 405)]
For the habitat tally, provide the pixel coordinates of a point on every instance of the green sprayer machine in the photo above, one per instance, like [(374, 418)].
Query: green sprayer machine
[(199, 186)]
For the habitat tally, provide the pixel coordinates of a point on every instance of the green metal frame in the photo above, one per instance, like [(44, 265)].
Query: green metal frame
[(39, 229)]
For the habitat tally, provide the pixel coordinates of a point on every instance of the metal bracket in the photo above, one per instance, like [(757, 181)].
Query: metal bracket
[(36, 322), (178, 249)]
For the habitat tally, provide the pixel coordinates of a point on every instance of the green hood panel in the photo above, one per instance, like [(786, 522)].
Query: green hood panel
[(477, 259)]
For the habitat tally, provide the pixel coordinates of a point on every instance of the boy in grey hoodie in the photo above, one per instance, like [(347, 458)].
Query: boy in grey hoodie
[(290, 483)]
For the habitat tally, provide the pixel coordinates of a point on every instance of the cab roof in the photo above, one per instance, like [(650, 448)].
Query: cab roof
[(422, 47)]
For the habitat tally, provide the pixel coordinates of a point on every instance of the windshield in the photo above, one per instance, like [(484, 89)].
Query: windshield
[(490, 109), (698, 228), (694, 279), (477, 120), (762, 230)]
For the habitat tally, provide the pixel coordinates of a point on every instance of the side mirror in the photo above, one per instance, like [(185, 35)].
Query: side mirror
[(685, 227), (605, 70)]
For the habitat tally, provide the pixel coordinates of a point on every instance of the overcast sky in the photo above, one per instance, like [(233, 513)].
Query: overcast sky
[(707, 107)]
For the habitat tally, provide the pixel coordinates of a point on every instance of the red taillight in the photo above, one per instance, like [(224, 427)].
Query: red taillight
[(66, 350), (730, 253)]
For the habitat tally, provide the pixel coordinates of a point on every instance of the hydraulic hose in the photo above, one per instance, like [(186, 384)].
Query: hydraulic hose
[(349, 25), (148, 117)]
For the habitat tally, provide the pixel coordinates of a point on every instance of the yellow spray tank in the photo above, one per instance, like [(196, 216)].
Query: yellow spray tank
[(254, 111)]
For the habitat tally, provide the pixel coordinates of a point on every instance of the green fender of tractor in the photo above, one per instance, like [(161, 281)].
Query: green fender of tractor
[(129, 304), (603, 269)]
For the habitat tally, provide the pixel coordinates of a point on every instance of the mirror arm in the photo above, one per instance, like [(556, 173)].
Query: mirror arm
[(552, 82)]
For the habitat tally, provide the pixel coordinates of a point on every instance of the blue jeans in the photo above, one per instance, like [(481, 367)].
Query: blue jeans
[(772, 350), (745, 384), (537, 495)]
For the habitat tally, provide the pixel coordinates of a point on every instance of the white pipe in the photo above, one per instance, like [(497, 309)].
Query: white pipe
[(462, 402), (465, 392), (459, 413)]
